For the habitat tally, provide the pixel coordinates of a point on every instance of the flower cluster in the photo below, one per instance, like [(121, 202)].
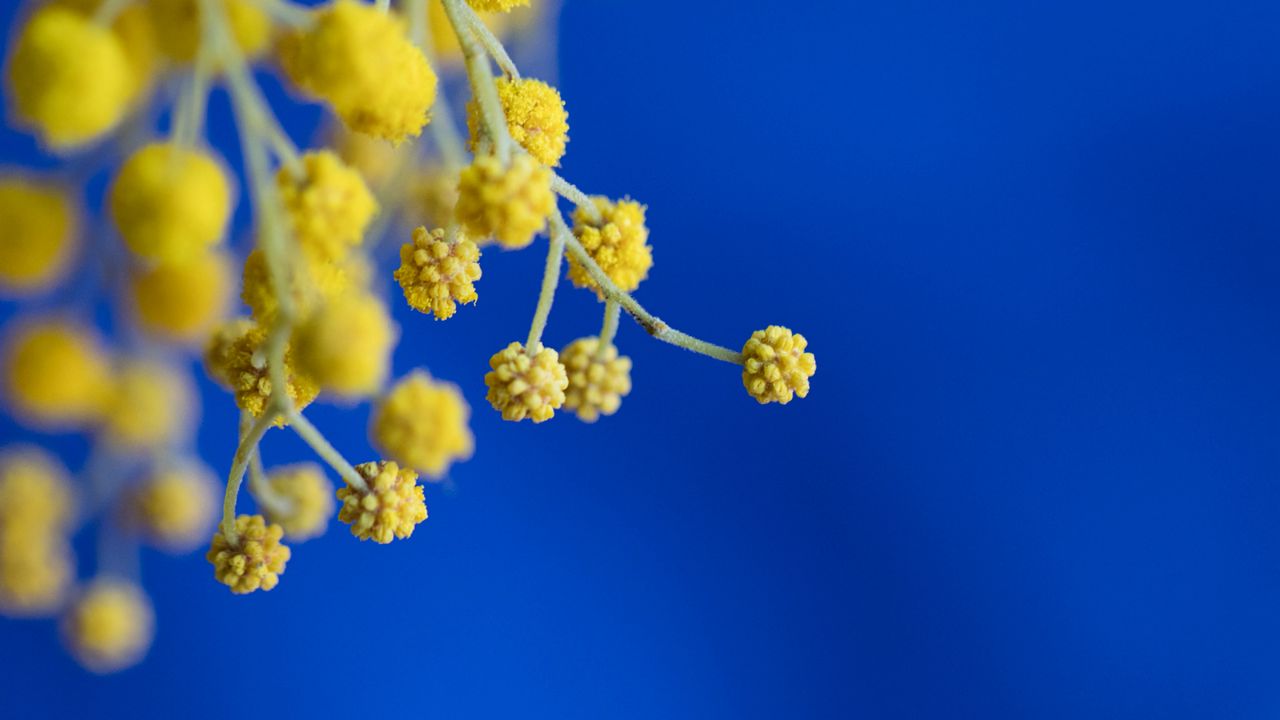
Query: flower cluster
[(309, 321)]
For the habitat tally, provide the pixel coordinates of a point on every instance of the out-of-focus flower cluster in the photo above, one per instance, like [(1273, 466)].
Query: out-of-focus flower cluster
[(298, 312)]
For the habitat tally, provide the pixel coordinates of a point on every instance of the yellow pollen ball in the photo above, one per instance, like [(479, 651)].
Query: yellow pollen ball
[(110, 626), (181, 20), (57, 375), (253, 559), (305, 499), (526, 386), (436, 275), (329, 207), (170, 203), (36, 570), (151, 406), (177, 506), (598, 378), (236, 358), (313, 280), (137, 35), (35, 494), (389, 508), (775, 366), (511, 204), (70, 78), (182, 303), (359, 60), (422, 424), (536, 118), (345, 345), (37, 236), (617, 242)]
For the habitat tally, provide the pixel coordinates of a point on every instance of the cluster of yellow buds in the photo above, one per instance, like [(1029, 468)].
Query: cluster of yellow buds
[(313, 323)]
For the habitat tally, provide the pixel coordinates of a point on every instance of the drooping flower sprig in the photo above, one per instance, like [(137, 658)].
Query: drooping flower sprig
[(315, 327)]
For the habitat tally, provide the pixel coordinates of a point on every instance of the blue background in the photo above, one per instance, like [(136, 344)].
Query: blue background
[(1034, 248)]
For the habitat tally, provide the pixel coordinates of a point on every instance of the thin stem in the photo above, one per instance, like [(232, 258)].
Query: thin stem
[(570, 192), (609, 330), (259, 486), (191, 113), (383, 5), (550, 279), (481, 76), (286, 13), (443, 131), (491, 43), (313, 437), (239, 464)]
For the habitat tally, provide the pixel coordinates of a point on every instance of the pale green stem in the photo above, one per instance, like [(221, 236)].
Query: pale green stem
[(550, 279), (491, 43), (443, 131), (191, 113), (480, 74), (609, 330), (239, 464), (258, 484), (286, 13), (570, 192), (109, 10), (383, 5), (646, 319), (311, 436)]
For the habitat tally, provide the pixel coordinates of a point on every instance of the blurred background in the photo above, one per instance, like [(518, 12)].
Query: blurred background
[(1034, 249)]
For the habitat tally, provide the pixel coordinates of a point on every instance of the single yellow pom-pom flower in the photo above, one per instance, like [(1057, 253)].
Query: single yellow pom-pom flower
[(536, 118), (436, 275), (36, 570), (617, 242), (181, 22), (329, 206), (35, 494), (236, 358), (598, 378), (253, 559), (359, 60), (69, 77), (391, 506), (137, 35), (496, 5), (170, 203), (775, 366), (510, 204), (422, 424), (57, 374), (526, 386), (312, 279), (177, 506), (345, 345), (182, 303), (151, 406), (37, 235), (304, 497), (110, 627)]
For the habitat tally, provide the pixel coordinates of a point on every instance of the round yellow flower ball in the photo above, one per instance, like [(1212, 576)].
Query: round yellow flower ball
[(182, 303), (110, 627), (138, 38), (329, 206), (151, 408), (775, 366), (598, 378), (422, 424), (57, 374), (236, 358), (390, 506), (303, 500), (617, 241), (35, 493), (526, 385), (171, 203), (436, 275), (37, 235), (177, 506), (536, 118), (345, 345), (511, 204), (253, 559), (69, 78), (36, 570)]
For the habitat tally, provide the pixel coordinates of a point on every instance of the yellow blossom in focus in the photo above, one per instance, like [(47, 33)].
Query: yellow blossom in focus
[(183, 302), (436, 275), (56, 374), (177, 506), (306, 497), (617, 242), (36, 570), (151, 406), (345, 345), (359, 60), (110, 626), (253, 560), (523, 385), (775, 365), (391, 506), (329, 207), (237, 358), (422, 424), (511, 204), (37, 235), (170, 203), (598, 378), (180, 22), (69, 78), (536, 118)]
